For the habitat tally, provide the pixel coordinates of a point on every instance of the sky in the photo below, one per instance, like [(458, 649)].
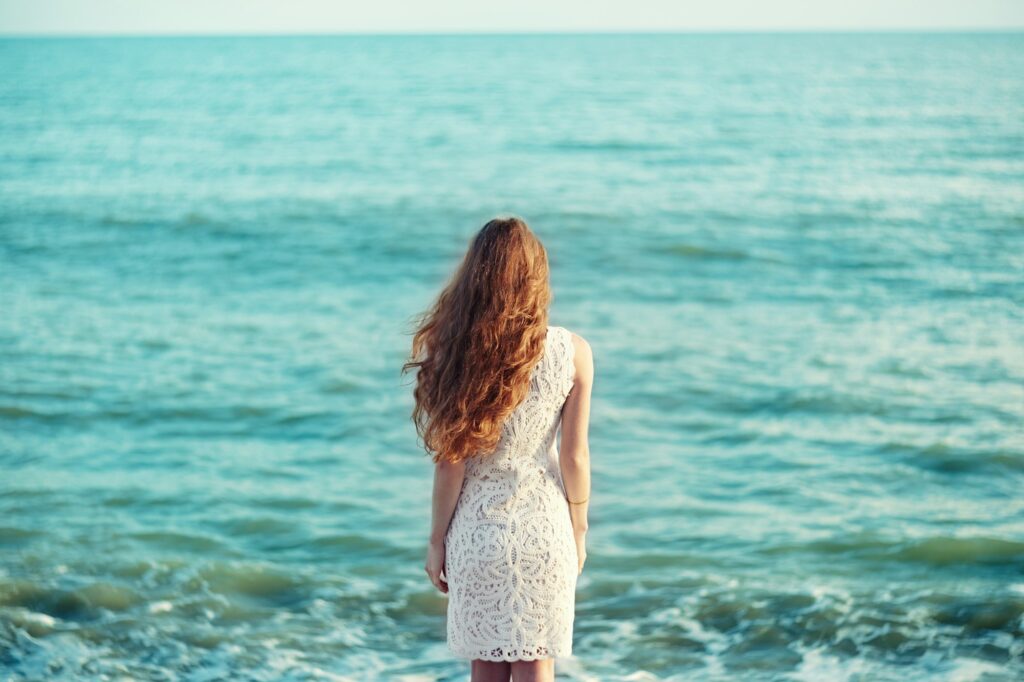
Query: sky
[(105, 17)]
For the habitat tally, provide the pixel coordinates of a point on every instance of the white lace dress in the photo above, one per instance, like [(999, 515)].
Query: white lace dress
[(510, 558)]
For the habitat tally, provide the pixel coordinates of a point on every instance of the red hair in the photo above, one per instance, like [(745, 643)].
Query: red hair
[(476, 347)]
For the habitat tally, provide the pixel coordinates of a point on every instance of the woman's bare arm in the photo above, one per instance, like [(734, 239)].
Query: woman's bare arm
[(448, 479), (574, 455)]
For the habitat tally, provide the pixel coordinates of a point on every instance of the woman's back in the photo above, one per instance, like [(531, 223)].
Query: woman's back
[(511, 558), (528, 434)]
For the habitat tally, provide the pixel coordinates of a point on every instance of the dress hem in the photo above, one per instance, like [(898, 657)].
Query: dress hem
[(481, 656)]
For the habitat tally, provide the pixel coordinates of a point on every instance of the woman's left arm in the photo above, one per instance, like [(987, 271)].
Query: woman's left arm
[(448, 477)]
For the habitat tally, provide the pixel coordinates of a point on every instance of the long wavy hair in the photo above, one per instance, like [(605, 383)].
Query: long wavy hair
[(476, 347)]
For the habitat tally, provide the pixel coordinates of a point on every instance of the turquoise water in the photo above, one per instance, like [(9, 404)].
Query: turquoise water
[(797, 259)]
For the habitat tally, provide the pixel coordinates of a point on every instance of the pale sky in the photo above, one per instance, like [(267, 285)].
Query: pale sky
[(402, 16)]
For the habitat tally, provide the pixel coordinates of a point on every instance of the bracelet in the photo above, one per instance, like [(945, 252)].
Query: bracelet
[(580, 502)]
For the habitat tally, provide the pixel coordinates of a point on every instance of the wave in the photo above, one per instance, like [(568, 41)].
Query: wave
[(945, 458), (934, 551), (703, 253), (606, 146)]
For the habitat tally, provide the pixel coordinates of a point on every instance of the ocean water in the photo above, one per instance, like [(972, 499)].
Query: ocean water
[(798, 260)]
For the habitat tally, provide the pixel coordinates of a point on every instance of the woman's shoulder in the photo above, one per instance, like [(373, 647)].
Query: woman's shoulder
[(579, 344)]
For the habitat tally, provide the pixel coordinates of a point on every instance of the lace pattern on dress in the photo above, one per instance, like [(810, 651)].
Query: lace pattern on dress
[(511, 562)]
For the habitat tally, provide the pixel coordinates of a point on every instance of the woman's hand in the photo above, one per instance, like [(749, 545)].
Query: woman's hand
[(435, 565), (581, 548)]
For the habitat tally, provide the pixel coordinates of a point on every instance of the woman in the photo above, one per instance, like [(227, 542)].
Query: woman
[(509, 521)]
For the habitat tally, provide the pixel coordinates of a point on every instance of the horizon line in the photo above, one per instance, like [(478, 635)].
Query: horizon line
[(510, 32)]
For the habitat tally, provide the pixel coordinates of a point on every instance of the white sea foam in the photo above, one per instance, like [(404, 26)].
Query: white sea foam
[(817, 665), (972, 670), (160, 606), (27, 617)]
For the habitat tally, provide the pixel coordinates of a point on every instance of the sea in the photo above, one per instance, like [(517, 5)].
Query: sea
[(798, 259)]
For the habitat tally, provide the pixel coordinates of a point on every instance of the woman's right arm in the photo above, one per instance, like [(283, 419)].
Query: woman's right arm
[(574, 454)]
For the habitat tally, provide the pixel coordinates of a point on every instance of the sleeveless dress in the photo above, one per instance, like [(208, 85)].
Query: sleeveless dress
[(510, 552)]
